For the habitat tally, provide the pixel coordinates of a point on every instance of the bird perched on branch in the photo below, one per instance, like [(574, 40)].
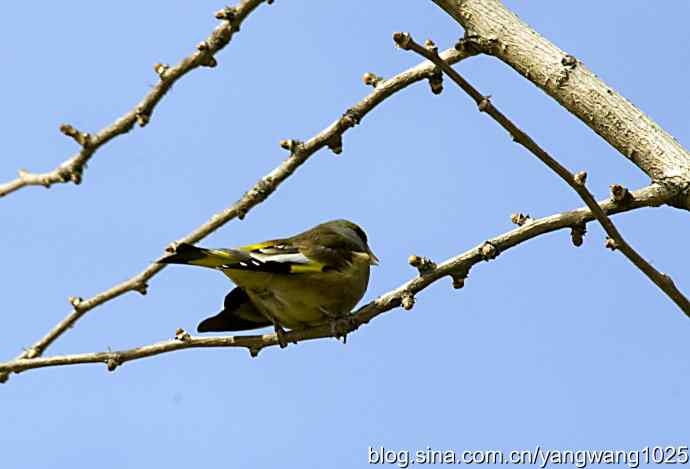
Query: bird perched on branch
[(314, 277)]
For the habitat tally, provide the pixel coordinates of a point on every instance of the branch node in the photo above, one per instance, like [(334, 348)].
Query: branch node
[(161, 70), (620, 194), (667, 279), (520, 219), (75, 175), (75, 301), (82, 138), (436, 82), (290, 145), (403, 40), (172, 247), (228, 13), (182, 335), (407, 301), (611, 244), (336, 144), (209, 61), (32, 352), (263, 187), (485, 103), (577, 234), (431, 46), (63, 172), (141, 287), (569, 61), (112, 363), (371, 79), (458, 280), (351, 118), (488, 251), (580, 178), (423, 264), (472, 44), (142, 117), (206, 58)]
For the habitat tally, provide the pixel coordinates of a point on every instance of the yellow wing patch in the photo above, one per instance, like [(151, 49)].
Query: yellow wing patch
[(216, 257), (257, 246), (307, 268)]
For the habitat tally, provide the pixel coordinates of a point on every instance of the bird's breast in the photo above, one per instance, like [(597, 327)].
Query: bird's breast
[(298, 300)]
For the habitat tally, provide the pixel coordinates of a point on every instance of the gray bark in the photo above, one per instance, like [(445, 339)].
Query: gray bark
[(566, 79)]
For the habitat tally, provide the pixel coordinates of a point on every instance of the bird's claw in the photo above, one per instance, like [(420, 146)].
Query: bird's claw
[(280, 335), (340, 328)]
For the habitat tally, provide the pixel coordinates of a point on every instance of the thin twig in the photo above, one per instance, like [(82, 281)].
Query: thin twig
[(73, 168), (300, 153), (456, 267), (577, 182)]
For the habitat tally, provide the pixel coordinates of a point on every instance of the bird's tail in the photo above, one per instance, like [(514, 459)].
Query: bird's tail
[(213, 258)]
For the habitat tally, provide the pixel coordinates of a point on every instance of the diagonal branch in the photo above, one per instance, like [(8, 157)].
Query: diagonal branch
[(577, 182), (73, 168), (499, 32), (331, 136), (456, 267)]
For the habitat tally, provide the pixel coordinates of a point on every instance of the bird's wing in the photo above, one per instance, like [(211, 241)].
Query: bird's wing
[(188, 254), (277, 256), (238, 314)]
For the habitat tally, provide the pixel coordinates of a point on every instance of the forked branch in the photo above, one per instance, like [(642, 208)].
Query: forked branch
[(300, 152), (499, 32), (575, 181)]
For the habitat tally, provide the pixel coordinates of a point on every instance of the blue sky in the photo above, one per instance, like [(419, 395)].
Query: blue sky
[(548, 344)]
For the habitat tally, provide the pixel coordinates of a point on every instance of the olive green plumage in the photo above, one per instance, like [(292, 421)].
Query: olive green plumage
[(314, 277)]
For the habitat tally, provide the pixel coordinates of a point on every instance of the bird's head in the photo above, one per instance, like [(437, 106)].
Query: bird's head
[(355, 234)]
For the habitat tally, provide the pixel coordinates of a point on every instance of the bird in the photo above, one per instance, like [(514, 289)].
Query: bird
[(312, 278)]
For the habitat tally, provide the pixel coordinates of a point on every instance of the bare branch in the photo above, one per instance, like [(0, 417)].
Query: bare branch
[(457, 268), (73, 168), (495, 30), (577, 181), (300, 152)]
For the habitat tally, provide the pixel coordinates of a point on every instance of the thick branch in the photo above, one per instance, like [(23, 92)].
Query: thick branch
[(456, 267), (73, 168), (300, 153), (497, 31), (576, 182)]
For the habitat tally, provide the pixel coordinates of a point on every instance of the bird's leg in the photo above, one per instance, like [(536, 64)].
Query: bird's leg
[(340, 325), (280, 334), (265, 298)]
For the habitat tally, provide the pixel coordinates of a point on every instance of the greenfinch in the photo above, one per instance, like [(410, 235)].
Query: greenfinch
[(315, 277)]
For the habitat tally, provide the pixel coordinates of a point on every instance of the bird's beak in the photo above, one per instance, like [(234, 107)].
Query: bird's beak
[(373, 260)]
